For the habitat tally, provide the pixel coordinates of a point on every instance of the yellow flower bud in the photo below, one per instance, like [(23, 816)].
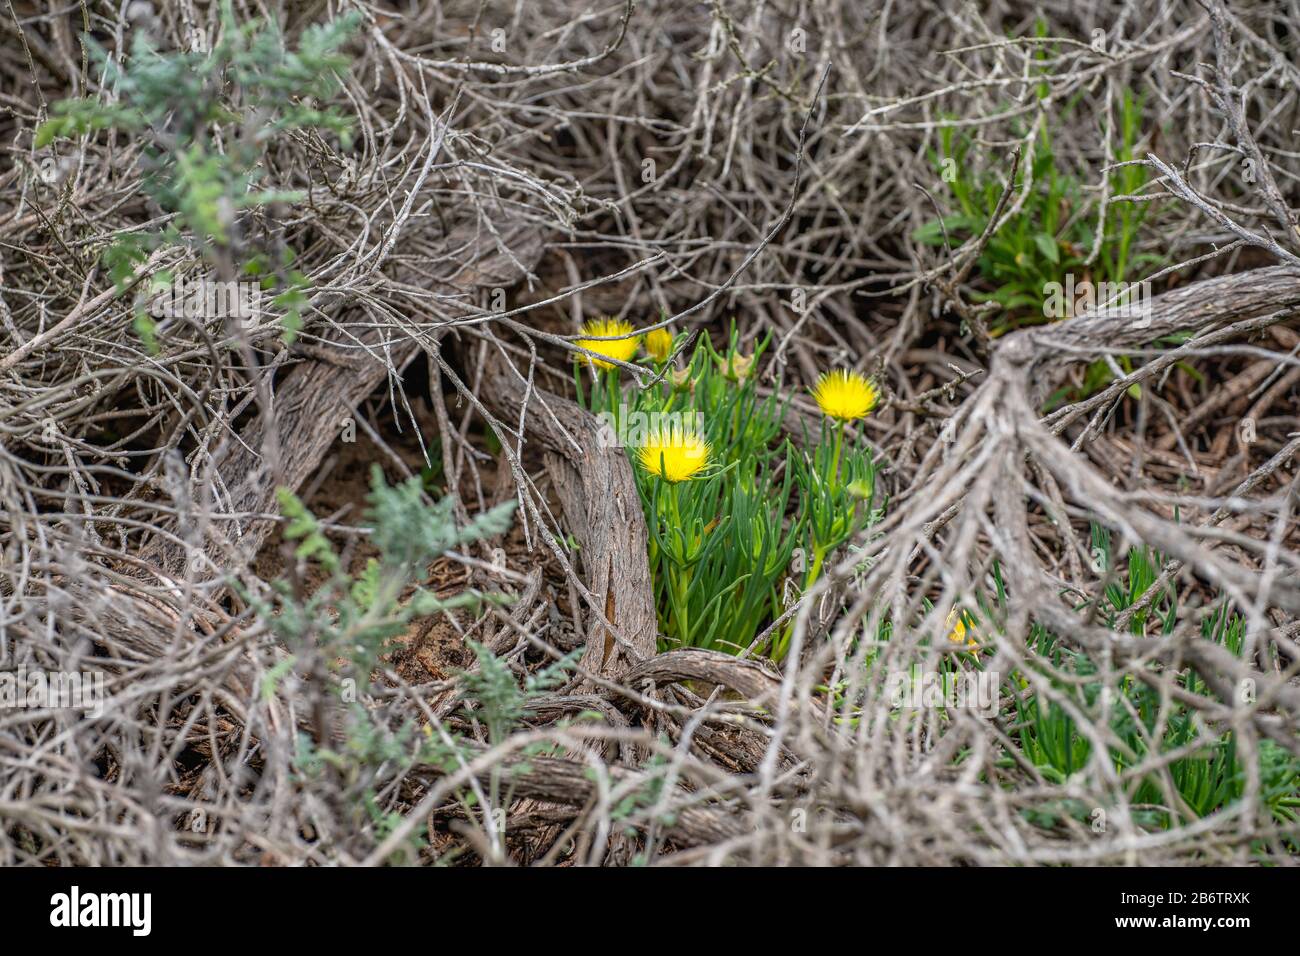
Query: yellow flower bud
[(659, 344)]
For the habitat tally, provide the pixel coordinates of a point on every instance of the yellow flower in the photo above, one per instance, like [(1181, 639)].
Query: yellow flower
[(959, 633), (845, 396), (618, 349), (675, 455), (659, 343)]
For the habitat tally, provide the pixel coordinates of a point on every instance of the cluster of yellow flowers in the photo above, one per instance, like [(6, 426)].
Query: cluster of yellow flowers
[(614, 340), (679, 454)]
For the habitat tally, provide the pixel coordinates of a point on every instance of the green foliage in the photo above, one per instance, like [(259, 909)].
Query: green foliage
[(1054, 232), (206, 120), (338, 632), (496, 695), (414, 533), (728, 548), (1206, 780), (353, 618), (493, 697), (303, 528), (1147, 724), (179, 97), (346, 622), (643, 796), (836, 493)]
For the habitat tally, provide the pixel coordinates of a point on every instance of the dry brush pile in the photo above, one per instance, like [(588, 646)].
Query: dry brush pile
[(514, 169)]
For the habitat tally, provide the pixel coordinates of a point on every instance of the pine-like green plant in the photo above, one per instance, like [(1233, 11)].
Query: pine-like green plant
[(337, 633), (206, 120)]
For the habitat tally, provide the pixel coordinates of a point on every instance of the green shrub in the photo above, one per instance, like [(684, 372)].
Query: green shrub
[(337, 633), (206, 121)]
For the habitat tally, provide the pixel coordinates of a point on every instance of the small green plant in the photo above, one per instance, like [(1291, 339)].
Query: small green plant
[(495, 698), (206, 121), (337, 632), (1203, 772), (1146, 724), (740, 518), (1053, 234)]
